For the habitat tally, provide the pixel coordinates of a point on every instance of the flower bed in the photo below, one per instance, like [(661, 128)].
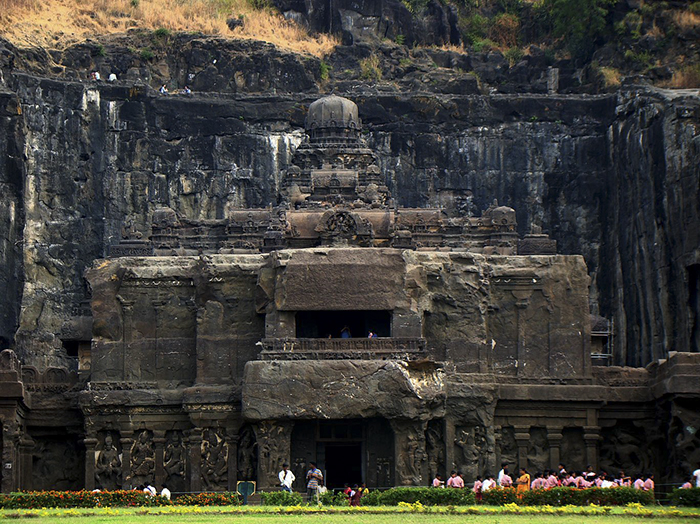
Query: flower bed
[(569, 497), (426, 496)]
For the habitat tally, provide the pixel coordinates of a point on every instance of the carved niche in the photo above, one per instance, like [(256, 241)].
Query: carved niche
[(411, 456), (108, 462), (273, 441), (247, 454), (435, 447), (143, 459), (471, 453), (215, 451), (538, 450), (56, 464)]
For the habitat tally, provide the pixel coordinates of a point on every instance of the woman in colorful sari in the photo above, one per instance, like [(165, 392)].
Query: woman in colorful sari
[(523, 482)]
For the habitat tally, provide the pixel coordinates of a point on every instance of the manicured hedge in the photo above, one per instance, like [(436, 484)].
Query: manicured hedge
[(280, 498), (426, 496), (499, 496), (584, 497), (121, 498), (686, 497)]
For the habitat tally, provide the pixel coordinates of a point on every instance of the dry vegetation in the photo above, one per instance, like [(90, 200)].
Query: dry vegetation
[(57, 23)]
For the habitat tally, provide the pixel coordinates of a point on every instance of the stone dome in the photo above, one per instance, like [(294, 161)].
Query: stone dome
[(333, 112)]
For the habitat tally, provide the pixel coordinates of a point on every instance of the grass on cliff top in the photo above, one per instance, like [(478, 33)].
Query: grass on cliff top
[(59, 23)]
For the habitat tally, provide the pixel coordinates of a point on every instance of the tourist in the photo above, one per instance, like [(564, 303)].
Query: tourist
[(605, 482), (345, 332), (569, 481), (286, 477), (539, 482), (552, 481), (150, 490), (112, 77), (163, 89), (562, 470), (455, 481), (506, 481), (638, 483), (165, 492), (363, 489), (504, 471), (371, 334), (623, 480), (649, 483), (347, 491), (314, 477), (438, 482), (186, 91), (696, 477), (579, 480), (355, 496), (590, 475), (686, 485), (522, 483), (478, 484), (489, 482)]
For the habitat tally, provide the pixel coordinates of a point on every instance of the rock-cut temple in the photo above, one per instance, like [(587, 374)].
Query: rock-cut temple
[(386, 344)]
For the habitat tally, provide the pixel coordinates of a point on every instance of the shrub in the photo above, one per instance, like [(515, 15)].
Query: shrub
[(694, 8), (513, 55), (146, 54), (686, 77), (505, 29), (162, 32), (324, 70), (583, 497), (499, 496), (483, 45), (332, 498), (369, 68), (280, 498), (227, 498), (78, 499), (400, 39), (427, 496), (686, 497), (373, 498), (581, 22)]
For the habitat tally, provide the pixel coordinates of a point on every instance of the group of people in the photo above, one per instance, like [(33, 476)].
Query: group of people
[(315, 486), (549, 479), (184, 91)]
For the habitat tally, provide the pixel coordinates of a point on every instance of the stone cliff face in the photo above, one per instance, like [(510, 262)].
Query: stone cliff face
[(612, 177)]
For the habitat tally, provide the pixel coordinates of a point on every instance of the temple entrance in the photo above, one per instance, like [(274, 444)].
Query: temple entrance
[(322, 324), (343, 464), (350, 451)]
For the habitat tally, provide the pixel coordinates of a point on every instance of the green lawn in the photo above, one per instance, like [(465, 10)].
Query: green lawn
[(389, 516)]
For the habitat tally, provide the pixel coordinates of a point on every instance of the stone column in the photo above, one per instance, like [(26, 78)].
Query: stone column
[(554, 436), (497, 437), (26, 445), (232, 440), (90, 443), (126, 441), (522, 437), (449, 445), (522, 302), (159, 441), (410, 457), (194, 463), (591, 436), (10, 462), (274, 440)]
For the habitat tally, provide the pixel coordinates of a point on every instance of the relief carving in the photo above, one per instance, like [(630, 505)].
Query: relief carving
[(215, 460), (247, 454), (174, 461), (143, 459), (108, 463)]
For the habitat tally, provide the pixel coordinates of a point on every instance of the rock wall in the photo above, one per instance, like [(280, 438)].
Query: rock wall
[(96, 154)]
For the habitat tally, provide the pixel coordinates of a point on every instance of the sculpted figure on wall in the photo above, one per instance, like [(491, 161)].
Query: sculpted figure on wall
[(538, 450), (625, 447), (215, 460), (56, 465), (174, 461), (108, 465), (435, 447), (410, 439), (273, 441), (143, 459)]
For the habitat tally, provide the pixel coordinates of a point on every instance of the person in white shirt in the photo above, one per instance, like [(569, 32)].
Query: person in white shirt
[(488, 483), (502, 473), (696, 477), (287, 478), (165, 492)]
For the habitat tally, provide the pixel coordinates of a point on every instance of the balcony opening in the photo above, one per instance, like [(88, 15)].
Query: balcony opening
[(325, 324)]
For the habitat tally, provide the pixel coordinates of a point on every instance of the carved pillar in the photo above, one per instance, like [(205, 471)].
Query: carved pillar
[(522, 437), (522, 301), (126, 441), (26, 445), (10, 463), (591, 436), (232, 441), (274, 448), (127, 321), (159, 441), (449, 445), (554, 437), (90, 443), (410, 457), (195, 459)]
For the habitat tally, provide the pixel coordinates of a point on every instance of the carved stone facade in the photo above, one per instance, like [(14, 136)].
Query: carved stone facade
[(384, 344)]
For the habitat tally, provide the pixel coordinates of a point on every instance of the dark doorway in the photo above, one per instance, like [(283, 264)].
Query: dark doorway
[(343, 464), (320, 324)]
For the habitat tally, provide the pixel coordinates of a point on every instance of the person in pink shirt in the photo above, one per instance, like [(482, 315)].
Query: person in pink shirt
[(455, 481), (578, 480), (623, 480), (506, 481), (539, 482), (638, 483), (568, 481), (686, 485), (438, 482), (551, 481), (649, 483), (477, 488)]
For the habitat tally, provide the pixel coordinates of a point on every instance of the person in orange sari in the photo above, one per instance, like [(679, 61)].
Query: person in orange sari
[(523, 482)]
